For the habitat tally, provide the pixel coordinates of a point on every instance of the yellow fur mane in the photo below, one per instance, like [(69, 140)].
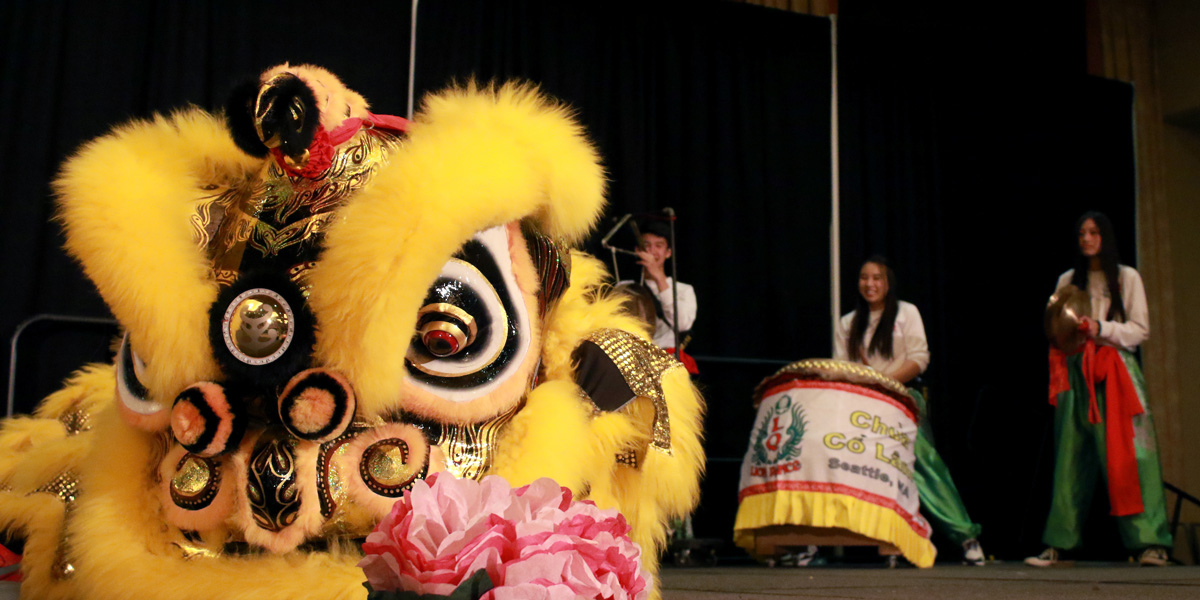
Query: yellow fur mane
[(475, 158)]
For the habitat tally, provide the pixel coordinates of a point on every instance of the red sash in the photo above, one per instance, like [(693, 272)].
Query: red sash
[(1104, 363)]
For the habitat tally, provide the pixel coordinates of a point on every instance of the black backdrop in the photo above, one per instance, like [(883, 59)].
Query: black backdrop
[(722, 115), (969, 143)]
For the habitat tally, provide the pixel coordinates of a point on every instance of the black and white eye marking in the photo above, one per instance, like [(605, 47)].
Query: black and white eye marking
[(130, 371), (473, 330)]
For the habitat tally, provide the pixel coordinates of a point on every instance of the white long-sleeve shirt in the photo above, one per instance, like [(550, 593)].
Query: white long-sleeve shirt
[(908, 339), (664, 337), (1136, 328)]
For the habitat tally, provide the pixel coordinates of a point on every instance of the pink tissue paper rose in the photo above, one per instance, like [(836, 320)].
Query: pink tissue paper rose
[(535, 543)]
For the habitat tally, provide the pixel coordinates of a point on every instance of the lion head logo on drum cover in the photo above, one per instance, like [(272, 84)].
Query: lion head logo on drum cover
[(780, 432)]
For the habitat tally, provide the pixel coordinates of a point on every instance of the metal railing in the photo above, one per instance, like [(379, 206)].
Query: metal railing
[(16, 338), (1180, 497)]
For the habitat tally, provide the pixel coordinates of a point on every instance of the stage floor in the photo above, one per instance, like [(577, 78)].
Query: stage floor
[(1089, 580), (1093, 581)]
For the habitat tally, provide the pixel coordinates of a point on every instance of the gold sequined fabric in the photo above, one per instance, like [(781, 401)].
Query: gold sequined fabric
[(76, 420), (65, 485), (385, 467), (196, 482), (643, 365), (331, 483), (629, 458), (62, 568), (835, 370)]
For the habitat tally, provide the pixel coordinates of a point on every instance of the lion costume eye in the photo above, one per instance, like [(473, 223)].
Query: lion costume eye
[(445, 329), (136, 405), (474, 325)]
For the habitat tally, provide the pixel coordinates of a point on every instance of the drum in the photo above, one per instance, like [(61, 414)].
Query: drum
[(830, 462)]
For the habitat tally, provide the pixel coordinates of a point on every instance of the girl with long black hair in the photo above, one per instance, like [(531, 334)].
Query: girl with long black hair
[(1102, 421), (887, 334)]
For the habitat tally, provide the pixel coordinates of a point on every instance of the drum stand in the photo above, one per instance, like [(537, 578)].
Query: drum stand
[(771, 543)]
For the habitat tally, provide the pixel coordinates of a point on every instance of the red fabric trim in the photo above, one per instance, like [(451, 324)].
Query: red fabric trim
[(1089, 377), (7, 559), (922, 529), (391, 122), (842, 387), (350, 126), (320, 151), (689, 363), (1059, 380)]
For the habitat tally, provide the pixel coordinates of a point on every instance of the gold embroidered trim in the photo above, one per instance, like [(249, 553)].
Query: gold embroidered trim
[(469, 449), (838, 370), (643, 365), (191, 550), (279, 211), (271, 487), (552, 259)]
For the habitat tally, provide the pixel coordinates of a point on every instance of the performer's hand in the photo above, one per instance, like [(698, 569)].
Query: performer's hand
[(652, 268), (1093, 326)]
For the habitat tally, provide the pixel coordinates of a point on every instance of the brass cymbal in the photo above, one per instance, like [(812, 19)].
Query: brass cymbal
[(1064, 312)]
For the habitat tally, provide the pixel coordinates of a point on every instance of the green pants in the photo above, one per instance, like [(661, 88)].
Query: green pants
[(1080, 459), (940, 502)]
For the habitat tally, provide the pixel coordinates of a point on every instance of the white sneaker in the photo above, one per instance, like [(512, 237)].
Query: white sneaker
[(803, 559), (1154, 556), (1048, 558), (973, 553)]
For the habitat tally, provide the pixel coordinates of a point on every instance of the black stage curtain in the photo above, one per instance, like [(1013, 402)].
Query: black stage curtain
[(720, 111), (969, 144), (967, 155)]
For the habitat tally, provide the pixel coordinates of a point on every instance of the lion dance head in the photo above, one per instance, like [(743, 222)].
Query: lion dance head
[(320, 306)]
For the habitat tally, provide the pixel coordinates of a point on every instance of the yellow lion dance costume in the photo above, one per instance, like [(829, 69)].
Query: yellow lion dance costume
[(320, 306)]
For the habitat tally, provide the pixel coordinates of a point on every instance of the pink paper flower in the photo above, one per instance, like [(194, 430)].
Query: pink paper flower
[(535, 543)]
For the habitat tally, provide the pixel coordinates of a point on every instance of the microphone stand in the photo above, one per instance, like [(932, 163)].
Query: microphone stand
[(613, 249), (670, 212)]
